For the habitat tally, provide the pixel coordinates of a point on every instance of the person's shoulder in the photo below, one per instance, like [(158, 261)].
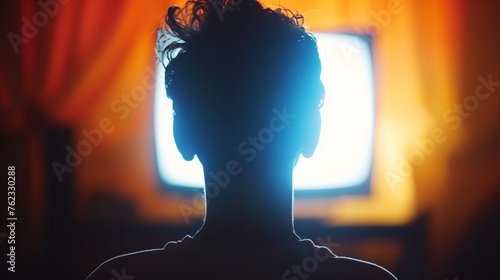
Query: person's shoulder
[(140, 263), (351, 268), (125, 266)]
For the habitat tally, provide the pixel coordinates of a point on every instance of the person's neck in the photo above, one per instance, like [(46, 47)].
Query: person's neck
[(255, 208)]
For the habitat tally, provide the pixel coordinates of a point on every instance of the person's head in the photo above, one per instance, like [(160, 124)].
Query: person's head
[(234, 66)]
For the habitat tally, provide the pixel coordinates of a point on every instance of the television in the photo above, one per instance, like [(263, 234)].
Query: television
[(342, 162)]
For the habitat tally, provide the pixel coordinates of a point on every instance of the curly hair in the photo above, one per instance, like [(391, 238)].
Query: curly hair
[(233, 59)]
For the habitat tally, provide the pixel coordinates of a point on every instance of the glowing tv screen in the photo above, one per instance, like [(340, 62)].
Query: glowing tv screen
[(343, 158)]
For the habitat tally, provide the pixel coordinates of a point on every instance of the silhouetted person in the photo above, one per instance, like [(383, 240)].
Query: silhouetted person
[(246, 90)]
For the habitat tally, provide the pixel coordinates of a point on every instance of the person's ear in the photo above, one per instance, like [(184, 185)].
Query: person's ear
[(183, 136), (310, 134)]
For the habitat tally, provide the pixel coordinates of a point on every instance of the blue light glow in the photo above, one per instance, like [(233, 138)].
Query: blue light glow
[(344, 154)]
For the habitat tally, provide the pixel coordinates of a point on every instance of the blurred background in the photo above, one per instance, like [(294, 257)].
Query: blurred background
[(69, 69)]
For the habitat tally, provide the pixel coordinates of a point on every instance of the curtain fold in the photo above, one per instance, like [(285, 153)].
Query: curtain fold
[(60, 59)]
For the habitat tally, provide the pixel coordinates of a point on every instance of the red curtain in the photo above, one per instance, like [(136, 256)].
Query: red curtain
[(61, 57)]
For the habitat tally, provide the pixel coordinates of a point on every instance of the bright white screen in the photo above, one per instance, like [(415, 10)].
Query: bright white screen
[(344, 153)]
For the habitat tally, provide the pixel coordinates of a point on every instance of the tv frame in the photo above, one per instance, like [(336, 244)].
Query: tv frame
[(361, 189)]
